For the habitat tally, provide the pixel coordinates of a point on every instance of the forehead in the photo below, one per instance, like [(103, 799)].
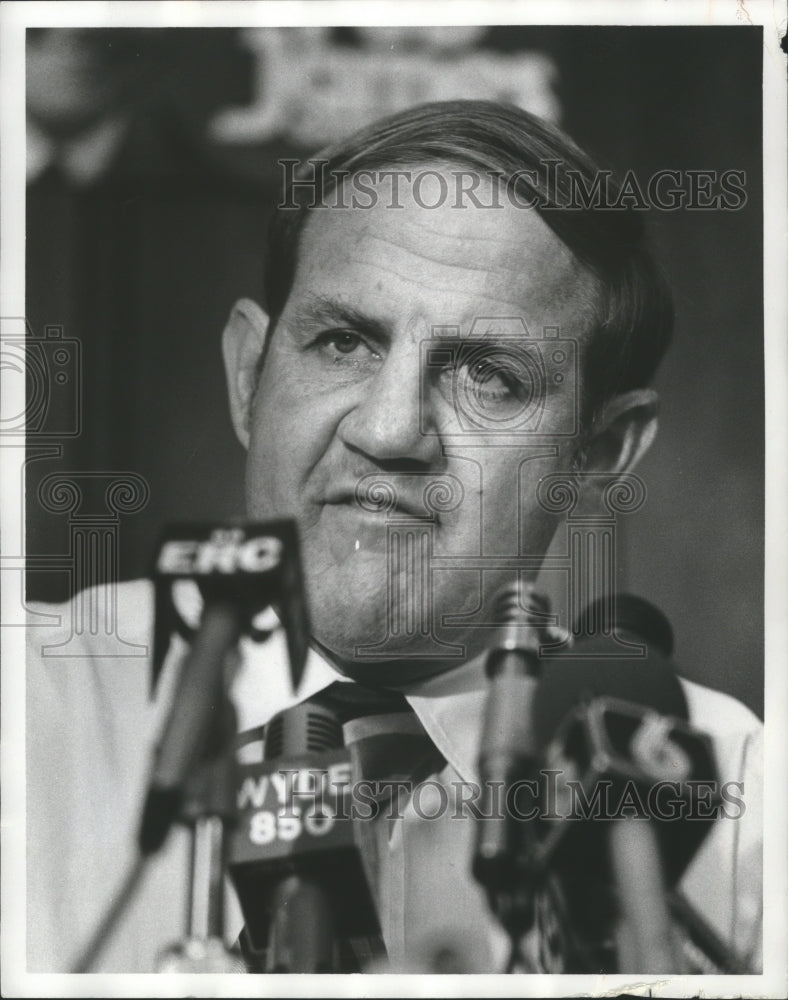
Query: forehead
[(422, 266)]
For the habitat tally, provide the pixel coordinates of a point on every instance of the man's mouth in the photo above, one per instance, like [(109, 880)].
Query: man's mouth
[(351, 530), (377, 501), (357, 520)]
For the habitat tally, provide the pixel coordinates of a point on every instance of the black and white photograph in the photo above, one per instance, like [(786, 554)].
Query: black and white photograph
[(393, 491)]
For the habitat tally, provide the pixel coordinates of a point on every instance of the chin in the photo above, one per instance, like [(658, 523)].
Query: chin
[(353, 626), (346, 609), (350, 615)]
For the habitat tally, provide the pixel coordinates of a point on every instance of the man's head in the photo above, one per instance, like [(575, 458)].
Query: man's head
[(421, 345)]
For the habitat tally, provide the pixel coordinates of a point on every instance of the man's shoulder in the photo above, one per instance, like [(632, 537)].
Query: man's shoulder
[(715, 710), (735, 730), (723, 880), (95, 617), (89, 708), (91, 726), (98, 644)]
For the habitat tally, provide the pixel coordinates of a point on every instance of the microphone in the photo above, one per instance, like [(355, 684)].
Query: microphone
[(234, 572), (211, 583), (509, 751), (623, 720), (567, 723), (294, 857), (628, 793), (255, 566)]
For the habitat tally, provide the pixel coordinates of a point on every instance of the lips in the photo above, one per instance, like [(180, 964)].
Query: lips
[(357, 514), (349, 531), (379, 497), (411, 495)]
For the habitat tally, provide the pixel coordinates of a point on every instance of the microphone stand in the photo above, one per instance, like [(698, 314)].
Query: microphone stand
[(643, 934), (209, 811)]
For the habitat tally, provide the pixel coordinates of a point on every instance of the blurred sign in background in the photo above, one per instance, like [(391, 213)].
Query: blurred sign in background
[(152, 167)]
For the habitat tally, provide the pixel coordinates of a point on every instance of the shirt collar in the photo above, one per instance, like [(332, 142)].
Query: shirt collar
[(448, 705)]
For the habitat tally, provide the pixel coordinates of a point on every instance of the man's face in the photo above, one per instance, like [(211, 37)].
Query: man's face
[(351, 409)]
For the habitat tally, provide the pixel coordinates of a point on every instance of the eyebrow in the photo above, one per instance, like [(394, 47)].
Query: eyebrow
[(322, 310)]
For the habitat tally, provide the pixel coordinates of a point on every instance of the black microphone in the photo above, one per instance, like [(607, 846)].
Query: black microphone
[(234, 572), (624, 720), (509, 750), (211, 584), (294, 857), (628, 793)]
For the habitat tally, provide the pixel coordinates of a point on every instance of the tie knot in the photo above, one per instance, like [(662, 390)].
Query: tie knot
[(382, 732), (377, 725), (350, 700)]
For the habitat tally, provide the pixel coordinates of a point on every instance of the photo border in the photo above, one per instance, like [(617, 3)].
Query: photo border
[(14, 18)]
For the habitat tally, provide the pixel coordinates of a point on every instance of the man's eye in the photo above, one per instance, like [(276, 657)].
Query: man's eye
[(490, 379), (342, 343)]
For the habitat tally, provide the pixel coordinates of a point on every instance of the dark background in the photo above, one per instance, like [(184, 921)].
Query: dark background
[(142, 263)]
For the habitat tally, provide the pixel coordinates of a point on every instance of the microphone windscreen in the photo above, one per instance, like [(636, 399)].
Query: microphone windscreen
[(580, 678), (622, 651), (627, 613), (302, 729)]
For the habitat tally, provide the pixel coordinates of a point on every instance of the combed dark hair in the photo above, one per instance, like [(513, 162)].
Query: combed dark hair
[(635, 318)]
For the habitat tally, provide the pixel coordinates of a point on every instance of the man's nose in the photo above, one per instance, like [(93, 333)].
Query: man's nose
[(392, 419)]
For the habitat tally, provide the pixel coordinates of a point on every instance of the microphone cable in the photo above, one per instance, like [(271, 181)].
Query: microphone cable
[(120, 901)]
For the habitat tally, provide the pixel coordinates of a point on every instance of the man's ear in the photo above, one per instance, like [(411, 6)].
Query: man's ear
[(243, 342), (623, 433)]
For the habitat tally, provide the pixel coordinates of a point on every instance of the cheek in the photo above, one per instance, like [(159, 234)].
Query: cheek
[(291, 431), (278, 454), (501, 505)]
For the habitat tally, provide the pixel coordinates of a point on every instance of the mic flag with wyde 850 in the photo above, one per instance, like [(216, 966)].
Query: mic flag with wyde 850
[(294, 856)]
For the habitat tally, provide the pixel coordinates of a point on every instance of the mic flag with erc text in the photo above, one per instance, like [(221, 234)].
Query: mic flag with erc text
[(256, 566)]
